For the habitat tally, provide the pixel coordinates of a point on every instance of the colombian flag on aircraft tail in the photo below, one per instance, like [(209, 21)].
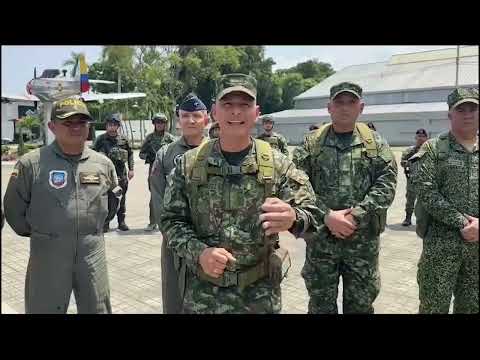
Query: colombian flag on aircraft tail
[(84, 84)]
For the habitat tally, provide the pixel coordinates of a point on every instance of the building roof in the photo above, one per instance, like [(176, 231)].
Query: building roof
[(423, 70), (372, 109)]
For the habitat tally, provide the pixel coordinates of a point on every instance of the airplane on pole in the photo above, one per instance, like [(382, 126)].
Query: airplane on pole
[(51, 86)]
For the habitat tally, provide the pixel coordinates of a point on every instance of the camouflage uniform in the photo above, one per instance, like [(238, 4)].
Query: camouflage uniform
[(119, 151), (447, 188), (153, 142), (224, 212), (276, 141), (410, 194), (344, 175)]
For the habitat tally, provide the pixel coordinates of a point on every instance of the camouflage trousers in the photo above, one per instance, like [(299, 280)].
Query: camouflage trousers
[(202, 297), (447, 266), (410, 195), (355, 259)]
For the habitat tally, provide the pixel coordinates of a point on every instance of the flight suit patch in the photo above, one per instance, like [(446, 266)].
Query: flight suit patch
[(57, 179)]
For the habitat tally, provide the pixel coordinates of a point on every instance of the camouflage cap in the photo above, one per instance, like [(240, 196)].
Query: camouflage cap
[(63, 109), (236, 82), (346, 87), (159, 116), (462, 95)]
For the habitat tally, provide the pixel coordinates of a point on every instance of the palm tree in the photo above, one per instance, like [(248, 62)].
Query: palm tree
[(121, 58), (73, 61)]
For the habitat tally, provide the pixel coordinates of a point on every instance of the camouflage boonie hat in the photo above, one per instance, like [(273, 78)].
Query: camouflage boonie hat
[(236, 82), (63, 109), (348, 87), (462, 95)]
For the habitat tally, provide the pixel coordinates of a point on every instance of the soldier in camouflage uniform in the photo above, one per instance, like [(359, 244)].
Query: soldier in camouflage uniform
[(276, 140), (446, 182), (57, 196), (117, 148), (224, 205), (193, 119), (153, 142), (354, 174), (420, 137)]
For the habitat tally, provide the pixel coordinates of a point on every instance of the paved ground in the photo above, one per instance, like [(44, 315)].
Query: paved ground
[(134, 260)]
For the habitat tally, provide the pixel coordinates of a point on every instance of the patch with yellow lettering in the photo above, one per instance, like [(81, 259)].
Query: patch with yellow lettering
[(89, 178)]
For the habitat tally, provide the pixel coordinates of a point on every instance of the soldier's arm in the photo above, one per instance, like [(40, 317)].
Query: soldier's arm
[(144, 149), (301, 158), (17, 198), (295, 189), (381, 194), (176, 219), (405, 156), (130, 156), (426, 185), (157, 183), (284, 145), (112, 174)]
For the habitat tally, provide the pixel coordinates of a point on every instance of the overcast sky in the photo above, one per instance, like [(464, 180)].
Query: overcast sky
[(18, 61)]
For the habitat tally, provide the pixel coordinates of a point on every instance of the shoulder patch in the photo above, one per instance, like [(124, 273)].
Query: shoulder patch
[(298, 175)]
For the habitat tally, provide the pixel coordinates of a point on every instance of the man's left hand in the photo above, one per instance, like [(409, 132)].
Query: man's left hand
[(130, 174), (278, 216)]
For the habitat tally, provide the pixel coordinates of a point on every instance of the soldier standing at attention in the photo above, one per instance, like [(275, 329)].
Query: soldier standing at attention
[(276, 140), (57, 196), (354, 175), (153, 142), (446, 183), (420, 137), (116, 147)]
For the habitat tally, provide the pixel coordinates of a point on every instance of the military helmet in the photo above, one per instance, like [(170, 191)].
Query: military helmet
[(159, 117), (267, 118), (113, 118)]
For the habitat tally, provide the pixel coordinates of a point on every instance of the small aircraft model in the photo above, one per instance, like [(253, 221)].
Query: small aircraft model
[(51, 86)]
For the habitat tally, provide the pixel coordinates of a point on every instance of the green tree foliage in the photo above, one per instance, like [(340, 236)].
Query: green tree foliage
[(168, 73)]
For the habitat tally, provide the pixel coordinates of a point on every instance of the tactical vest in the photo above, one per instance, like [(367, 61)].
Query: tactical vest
[(273, 141), (423, 218), (197, 172), (316, 142)]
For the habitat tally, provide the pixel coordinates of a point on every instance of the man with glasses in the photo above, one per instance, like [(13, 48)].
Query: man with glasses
[(57, 196)]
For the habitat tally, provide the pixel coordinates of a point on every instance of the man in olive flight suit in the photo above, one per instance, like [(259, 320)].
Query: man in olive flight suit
[(193, 119), (57, 196)]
